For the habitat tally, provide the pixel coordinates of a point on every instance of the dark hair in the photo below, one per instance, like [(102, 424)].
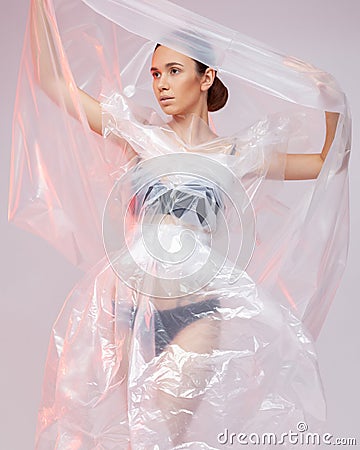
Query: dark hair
[(217, 93)]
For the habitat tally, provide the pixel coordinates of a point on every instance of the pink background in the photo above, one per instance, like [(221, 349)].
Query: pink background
[(35, 280)]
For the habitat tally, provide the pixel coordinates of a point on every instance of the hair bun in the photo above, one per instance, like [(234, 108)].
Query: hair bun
[(217, 95)]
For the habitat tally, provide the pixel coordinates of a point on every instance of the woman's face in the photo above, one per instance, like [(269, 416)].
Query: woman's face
[(177, 86)]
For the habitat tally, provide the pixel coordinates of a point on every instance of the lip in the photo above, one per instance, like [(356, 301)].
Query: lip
[(166, 99)]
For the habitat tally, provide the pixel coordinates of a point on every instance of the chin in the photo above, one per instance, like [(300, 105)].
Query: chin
[(170, 111)]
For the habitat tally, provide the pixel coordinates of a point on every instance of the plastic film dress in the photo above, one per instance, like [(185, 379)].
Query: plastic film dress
[(207, 275)]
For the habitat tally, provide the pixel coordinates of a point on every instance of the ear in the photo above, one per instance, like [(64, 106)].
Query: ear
[(207, 79)]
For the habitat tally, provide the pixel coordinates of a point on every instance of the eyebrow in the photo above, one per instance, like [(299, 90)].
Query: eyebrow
[(168, 65)]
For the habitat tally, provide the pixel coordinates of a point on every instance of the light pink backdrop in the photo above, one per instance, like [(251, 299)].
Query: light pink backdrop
[(35, 280)]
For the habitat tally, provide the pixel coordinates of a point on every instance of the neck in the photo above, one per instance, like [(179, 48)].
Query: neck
[(201, 111), (192, 128)]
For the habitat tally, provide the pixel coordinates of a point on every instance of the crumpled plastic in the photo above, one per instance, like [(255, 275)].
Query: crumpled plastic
[(208, 276)]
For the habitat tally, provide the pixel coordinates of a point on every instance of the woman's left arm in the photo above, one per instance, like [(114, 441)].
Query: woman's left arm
[(302, 166)]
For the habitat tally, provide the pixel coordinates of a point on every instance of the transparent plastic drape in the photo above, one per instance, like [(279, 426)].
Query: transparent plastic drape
[(208, 276)]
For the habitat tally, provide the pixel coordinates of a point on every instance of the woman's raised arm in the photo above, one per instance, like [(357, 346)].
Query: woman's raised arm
[(48, 71), (305, 166), (302, 166)]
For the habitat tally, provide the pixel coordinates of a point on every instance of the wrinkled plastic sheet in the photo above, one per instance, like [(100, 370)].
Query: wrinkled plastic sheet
[(207, 276)]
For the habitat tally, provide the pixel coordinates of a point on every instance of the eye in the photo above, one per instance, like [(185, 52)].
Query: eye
[(174, 70), (155, 74)]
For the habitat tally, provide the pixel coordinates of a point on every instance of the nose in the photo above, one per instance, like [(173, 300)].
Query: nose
[(163, 83)]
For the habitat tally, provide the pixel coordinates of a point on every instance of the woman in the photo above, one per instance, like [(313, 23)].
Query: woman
[(131, 367)]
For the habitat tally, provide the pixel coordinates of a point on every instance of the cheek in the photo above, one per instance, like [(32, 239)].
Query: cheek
[(189, 85), (155, 88)]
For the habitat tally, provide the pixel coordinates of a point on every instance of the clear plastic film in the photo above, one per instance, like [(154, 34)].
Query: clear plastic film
[(208, 276)]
